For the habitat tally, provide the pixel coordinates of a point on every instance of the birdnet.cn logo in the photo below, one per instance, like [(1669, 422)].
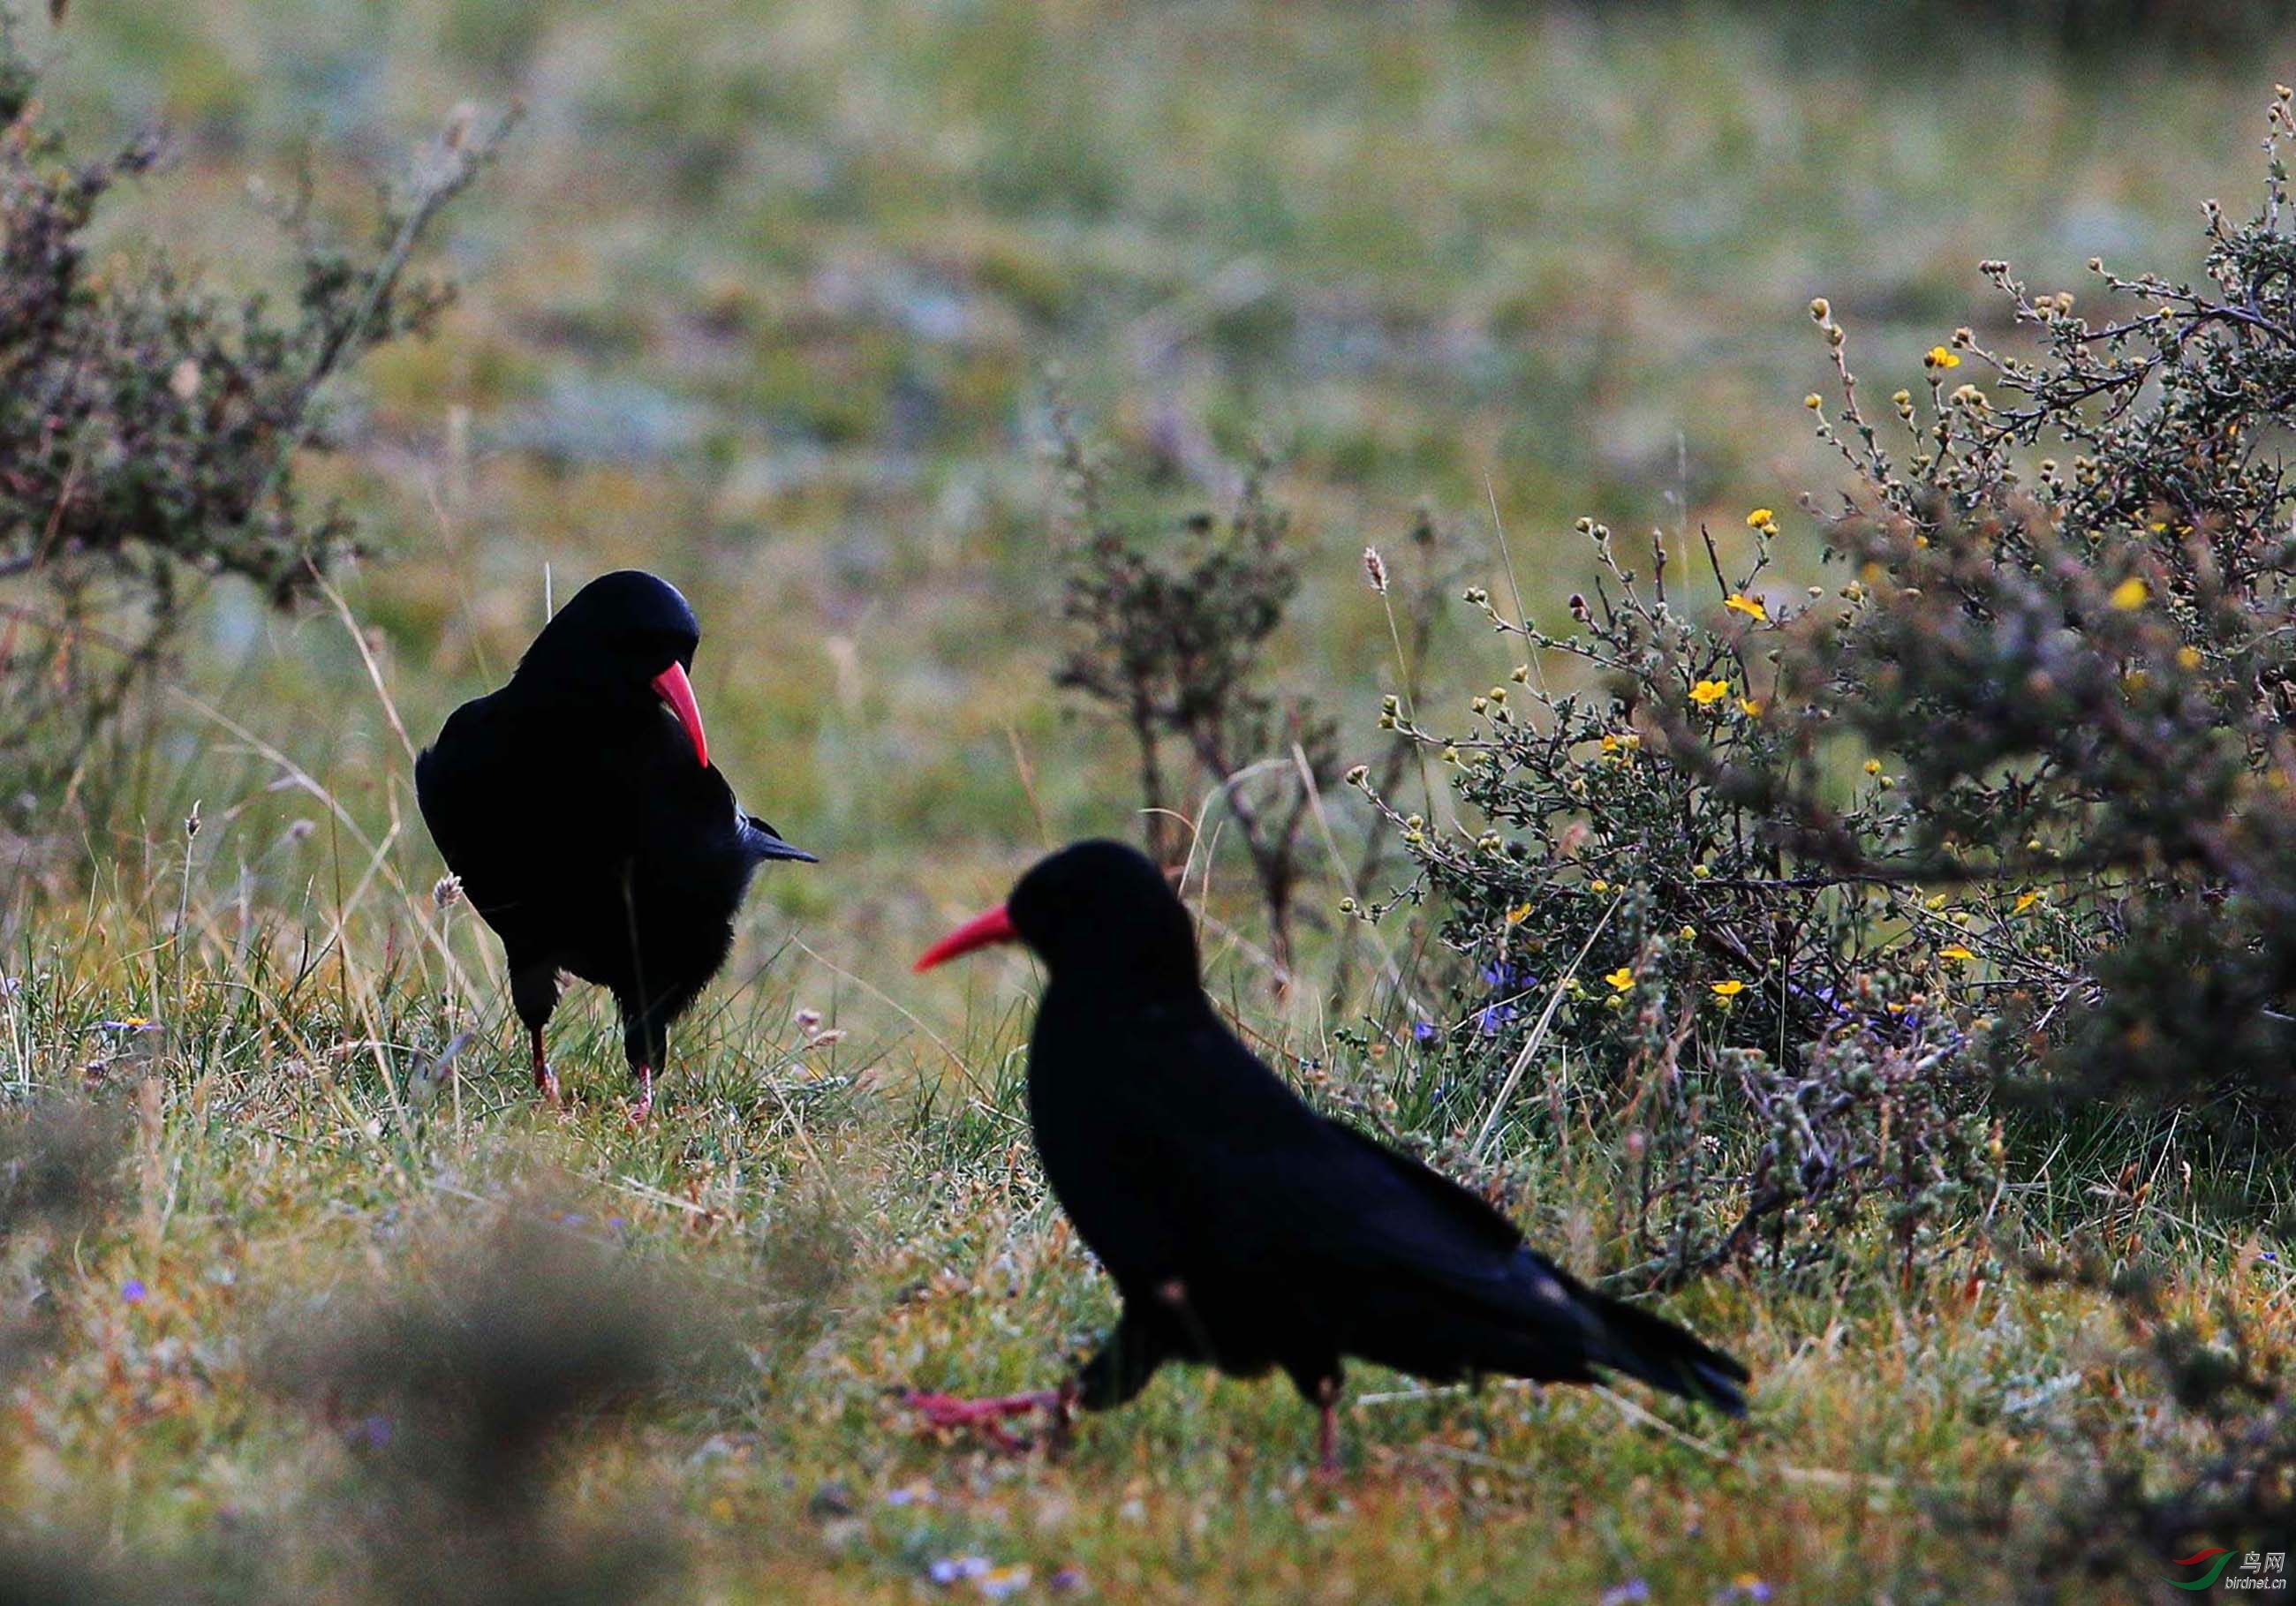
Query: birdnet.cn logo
[(2207, 1568)]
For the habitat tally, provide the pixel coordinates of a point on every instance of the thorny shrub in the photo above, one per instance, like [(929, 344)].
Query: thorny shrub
[(1793, 879), (150, 424), (2094, 1514), (1169, 634)]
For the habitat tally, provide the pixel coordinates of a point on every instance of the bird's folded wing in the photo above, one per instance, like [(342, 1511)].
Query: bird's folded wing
[(1268, 1181)]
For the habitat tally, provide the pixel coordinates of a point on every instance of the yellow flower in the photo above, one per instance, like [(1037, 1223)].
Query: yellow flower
[(1872, 767), (1518, 914), (1600, 886), (1940, 357), (1727, 989), (2026, 902), (2188, 658), (1610, 743), (1752, 607), (1706, 694), (1956, 953), (1620, 979), (1749, 708), (2131, 593), (1763, 518)]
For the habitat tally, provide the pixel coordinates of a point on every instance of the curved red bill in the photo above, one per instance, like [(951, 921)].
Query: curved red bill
[(677, 691), (980, 931)]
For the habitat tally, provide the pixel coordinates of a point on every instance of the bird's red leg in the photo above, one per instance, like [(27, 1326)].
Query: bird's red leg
[(643, 1108), (546, 1080), (988, 1416), (1327, 1430)]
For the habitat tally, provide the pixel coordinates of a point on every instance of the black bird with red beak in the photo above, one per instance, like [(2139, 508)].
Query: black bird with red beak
[(1245, 1230), (578, 807)]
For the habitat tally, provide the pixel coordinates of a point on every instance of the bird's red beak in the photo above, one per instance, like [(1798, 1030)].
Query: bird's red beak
[(980, 931), (677, 691)]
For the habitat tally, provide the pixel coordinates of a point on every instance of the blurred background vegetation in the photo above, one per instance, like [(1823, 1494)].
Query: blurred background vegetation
[(789, 302), (764, 298)]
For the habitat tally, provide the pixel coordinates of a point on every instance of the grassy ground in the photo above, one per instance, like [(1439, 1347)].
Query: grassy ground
[(764, 298)]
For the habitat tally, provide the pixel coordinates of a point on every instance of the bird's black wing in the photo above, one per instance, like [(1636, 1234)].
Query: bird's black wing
[(1398, 1263), (472, 794), (1252, 1167), (536, 824), (1176, 1150)]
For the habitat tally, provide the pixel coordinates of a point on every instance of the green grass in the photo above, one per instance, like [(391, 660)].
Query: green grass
[(763, 297)]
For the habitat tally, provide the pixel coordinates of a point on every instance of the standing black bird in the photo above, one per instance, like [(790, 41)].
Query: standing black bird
[(580, 810), (1243, 1229)]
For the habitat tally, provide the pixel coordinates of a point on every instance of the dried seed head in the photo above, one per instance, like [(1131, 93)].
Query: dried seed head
[(1375, 569), (447, 891)]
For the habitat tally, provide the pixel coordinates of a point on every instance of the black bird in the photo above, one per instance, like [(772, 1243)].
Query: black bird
[(1245, 1229), (580, 808)]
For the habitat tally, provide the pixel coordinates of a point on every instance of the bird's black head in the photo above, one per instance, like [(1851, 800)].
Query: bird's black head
[(1099, 911), (625, 642)]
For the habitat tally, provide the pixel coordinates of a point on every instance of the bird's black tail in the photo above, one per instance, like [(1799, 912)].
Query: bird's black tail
[(764, 843), (1665, 1357)]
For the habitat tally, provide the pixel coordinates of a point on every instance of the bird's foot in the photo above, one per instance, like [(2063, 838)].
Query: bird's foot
[(945, 1412), (641, 1108), (1328, 1470), (546, 1080)]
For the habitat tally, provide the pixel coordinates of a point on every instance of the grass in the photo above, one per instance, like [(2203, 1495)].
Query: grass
[(283, 1165), (764, 298)]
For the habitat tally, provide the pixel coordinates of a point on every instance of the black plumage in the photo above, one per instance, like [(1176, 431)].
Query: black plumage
[(1245, 1229), (579, 809)]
